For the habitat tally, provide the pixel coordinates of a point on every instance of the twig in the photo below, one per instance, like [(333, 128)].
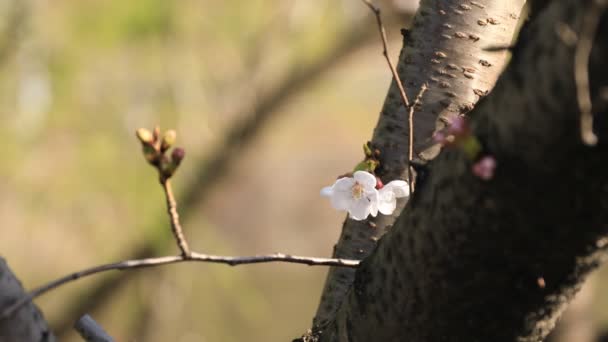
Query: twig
[(176, 227), (209, 171), (581, 74), (406, 102), (172, 259), (376, 11), (410, 168), (91, 331)]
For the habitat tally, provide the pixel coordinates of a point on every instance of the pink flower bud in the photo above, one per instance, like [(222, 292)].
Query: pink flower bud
[(177, 155), (379, 184), (484, 168), (458, 126)]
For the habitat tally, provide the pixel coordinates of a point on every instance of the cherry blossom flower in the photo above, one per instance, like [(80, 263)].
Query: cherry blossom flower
[(358, 195), (387, 196)]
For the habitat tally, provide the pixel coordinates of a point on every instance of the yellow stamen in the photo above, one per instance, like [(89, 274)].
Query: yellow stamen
[(357, 191)]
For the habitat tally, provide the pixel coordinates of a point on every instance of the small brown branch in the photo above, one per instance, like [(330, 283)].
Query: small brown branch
[(211, 170), (176, 227), (410, 154), (581, 63), (376, 11), (172, 259), (406, 102)]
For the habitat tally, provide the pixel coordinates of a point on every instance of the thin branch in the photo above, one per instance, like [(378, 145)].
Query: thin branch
[(376, 11), (91, 331), (176, 227), (406, 102), (410, 168), (581, 74), (210, 171), (172, 259)]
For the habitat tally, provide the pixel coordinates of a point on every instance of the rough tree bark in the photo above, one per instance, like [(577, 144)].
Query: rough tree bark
[(470, 260), (445, 50), (27, 324)]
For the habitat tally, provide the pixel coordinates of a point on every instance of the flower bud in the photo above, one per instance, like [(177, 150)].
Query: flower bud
[(471, 146), (367, 150), (145, 136), (459, 126), (156, 133), (485, 167), (368, 165), (150, 153), (379, 184), (168, 140), (177, 156)]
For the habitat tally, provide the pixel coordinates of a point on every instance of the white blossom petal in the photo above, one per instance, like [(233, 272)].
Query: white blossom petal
[(399, 188), (360, 209), (327, 191), (344, 184), (387, 202), (341, 200), (366, 179), (373, 196), (357, 195)]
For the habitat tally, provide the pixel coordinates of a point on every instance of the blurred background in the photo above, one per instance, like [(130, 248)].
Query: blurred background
[(271, 100)]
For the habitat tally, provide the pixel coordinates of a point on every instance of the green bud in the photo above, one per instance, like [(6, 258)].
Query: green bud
[(150, 153), (167, 167), (168, 140), (367, 150), (471, 146), (145, 136), (368, 165)]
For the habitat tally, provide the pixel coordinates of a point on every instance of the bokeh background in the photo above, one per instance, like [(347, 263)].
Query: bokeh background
[(271, 100)]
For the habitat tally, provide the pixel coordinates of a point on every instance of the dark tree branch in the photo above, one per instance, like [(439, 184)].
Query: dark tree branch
[(27, 324), (10, 310), (497, 260), (91, 331), (581, 66), (444, 49)]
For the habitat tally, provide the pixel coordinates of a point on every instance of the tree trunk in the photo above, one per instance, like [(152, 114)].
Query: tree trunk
[(576, 324), (445, 50), (27, 324), (497, 260)]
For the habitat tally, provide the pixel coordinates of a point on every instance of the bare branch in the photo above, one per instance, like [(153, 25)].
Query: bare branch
[(176, 227), (376, 11), (406, 102), (91, 331), (172, 259), (26, 324), (410, 154), (210, 171), (581, 64)]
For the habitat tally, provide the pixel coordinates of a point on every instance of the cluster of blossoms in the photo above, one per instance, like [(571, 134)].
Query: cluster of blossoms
[(363, 194)]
